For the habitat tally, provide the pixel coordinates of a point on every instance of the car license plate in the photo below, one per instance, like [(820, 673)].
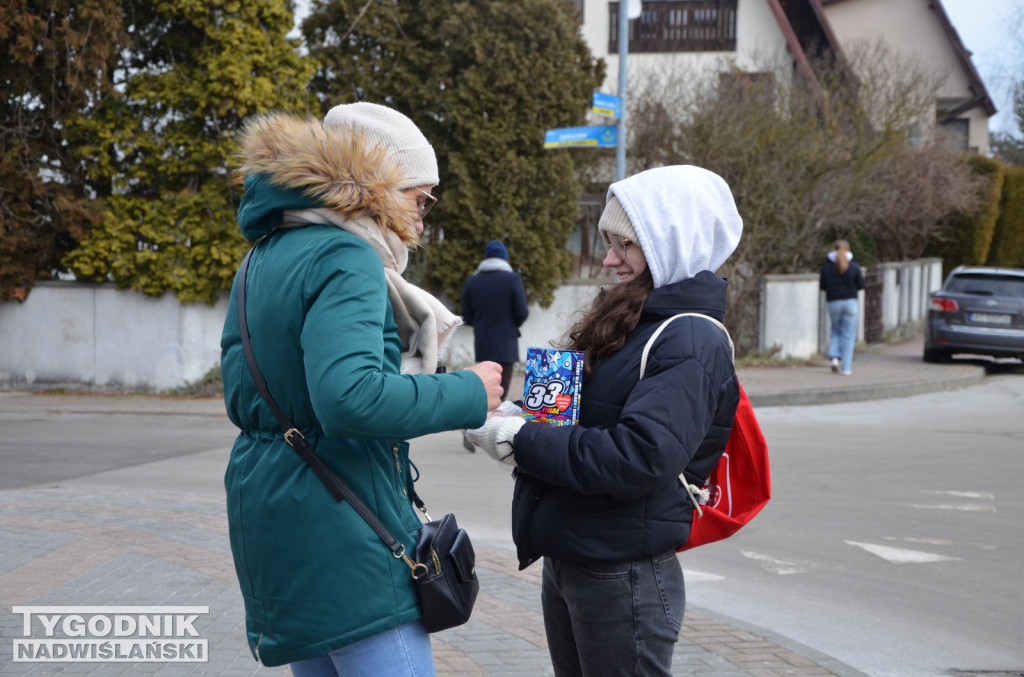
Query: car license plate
[(991, 318)]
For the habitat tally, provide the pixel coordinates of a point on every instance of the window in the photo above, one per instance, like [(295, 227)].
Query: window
[(956, 132), (578, 4), (586, 242), (678, 26), (986, 284)]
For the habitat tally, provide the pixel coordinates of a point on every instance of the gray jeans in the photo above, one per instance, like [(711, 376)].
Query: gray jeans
[(606, 619)]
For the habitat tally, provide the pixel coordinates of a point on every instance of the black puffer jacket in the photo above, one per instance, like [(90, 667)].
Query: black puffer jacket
[(838, 286), (607, 489)]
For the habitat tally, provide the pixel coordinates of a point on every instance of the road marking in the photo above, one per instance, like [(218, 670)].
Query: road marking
[(901, 555), (962, 507), (777, 566), (929, 541), (965, 494)]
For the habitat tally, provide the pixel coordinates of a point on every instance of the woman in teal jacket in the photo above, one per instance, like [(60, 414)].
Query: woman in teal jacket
[(349, 350)]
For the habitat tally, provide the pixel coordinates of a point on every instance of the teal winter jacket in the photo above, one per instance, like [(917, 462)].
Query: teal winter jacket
[(314, 577)]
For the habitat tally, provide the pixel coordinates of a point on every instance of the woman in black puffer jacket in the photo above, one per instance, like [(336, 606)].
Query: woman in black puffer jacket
[(841, 280), (601, 501)]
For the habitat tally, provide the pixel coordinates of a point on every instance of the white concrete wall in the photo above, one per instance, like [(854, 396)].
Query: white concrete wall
[(908, 285), (97, 335), (789, 315), (890, 295), (794, 313)]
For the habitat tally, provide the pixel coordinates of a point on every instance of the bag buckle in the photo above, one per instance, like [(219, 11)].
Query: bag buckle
[(418, 570), (291, 432)]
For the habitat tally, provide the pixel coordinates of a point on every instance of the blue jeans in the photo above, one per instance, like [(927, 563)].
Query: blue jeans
[(609, 619), (403, 652), (843, 314)]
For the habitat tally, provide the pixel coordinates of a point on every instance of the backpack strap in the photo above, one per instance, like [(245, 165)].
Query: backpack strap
[(657, 333), (696, 494)]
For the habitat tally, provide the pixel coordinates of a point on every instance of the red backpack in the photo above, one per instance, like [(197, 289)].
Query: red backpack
[(740, 485)]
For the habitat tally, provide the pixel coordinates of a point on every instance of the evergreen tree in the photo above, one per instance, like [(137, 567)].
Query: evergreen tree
[(163, 153), (54, 60), (483, 80)]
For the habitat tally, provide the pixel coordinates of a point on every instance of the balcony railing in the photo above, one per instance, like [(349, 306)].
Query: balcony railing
[(680, 26)]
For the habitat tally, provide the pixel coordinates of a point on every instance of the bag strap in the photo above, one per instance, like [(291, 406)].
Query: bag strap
[(335, 485), (695, 493), (657, 333)]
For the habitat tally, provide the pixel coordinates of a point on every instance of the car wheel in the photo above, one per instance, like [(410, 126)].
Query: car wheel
[(932, 355)]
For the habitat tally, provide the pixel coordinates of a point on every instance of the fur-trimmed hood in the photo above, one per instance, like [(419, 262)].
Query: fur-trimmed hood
[(293, 163)]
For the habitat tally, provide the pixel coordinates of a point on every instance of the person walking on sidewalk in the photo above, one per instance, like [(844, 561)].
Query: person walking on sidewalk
[(349, 350), (841, 279), (494, 304), (601, 501)]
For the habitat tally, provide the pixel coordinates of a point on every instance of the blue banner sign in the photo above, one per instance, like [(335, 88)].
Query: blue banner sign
[(587, 137), (606, 104)]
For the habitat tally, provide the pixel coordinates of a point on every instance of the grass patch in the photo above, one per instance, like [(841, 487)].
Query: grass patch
[(771, 358), (210, 385)]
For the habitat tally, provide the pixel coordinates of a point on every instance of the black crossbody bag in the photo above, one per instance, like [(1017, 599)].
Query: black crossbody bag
[(443, 567)]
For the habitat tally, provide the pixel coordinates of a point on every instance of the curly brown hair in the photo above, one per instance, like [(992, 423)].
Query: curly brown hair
[(613, 315)]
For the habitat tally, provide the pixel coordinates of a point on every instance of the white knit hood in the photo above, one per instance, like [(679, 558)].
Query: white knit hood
[(685, 220)]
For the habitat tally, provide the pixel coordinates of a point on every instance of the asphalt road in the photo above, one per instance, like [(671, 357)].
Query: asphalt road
[(893, 540), (46, 447)]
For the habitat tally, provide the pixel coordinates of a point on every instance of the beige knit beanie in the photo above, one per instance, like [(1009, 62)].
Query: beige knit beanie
[(383, 126), (615, 221)]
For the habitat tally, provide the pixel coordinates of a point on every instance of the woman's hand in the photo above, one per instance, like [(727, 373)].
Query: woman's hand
[(490, 375), (499, 432)]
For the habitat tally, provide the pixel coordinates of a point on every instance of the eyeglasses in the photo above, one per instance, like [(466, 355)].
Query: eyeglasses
[(428, 203), (617, 244)]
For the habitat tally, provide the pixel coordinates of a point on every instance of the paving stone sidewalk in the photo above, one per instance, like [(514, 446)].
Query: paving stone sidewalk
[(94, 547)]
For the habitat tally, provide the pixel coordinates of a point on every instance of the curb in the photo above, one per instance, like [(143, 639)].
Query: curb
[(868, 392)]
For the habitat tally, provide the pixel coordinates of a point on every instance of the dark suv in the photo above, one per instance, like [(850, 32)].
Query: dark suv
[(978, 311)]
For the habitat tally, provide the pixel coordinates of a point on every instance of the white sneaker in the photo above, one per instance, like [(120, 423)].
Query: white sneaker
[(835, 365), (847, 372)]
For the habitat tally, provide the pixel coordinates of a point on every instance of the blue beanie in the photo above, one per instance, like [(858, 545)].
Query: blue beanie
[(495, 250)]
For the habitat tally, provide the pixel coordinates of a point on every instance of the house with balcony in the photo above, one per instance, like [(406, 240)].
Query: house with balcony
[(795, 39), (746, 34), (757, 40)]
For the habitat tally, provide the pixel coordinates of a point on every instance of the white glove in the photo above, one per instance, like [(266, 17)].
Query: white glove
[(507, 408), (496, 435)]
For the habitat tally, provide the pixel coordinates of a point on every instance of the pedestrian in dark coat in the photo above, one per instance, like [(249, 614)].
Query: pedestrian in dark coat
[(494, 304), (602, 501), (841, 280)]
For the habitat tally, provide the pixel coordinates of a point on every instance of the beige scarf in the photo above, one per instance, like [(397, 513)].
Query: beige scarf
[(425, 325)]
